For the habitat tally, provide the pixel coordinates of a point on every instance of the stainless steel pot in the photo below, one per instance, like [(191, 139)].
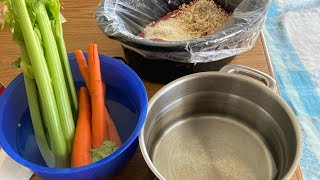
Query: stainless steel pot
[(218, 125)]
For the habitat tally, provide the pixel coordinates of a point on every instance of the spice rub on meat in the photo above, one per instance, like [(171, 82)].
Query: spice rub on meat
[(194, 20)]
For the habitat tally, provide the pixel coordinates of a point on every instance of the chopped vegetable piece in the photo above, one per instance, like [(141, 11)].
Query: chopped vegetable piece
[(103, 151)]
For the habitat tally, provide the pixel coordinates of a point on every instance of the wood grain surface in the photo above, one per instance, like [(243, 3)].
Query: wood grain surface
[(79, 31)]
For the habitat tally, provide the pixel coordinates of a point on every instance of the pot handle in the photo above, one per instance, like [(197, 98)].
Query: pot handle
[(250, 72)]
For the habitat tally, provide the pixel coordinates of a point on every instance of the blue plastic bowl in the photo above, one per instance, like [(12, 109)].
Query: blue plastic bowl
[(127, 102)]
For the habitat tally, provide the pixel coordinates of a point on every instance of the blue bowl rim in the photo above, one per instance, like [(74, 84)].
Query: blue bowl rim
[(11, 152)]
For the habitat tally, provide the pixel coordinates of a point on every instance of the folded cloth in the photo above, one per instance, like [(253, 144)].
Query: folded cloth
[(292, 33), (11, 170)]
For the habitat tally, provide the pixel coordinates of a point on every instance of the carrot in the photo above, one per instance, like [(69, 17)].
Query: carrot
[(113, 134), (99, 127), (104, 88), (81, 155), (84, 70), (83, 67)]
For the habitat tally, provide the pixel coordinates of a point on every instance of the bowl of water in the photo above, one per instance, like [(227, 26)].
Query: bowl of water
[(126, 99)]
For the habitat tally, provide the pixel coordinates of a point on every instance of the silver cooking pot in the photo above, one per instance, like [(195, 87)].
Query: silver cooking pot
[(218, 125)]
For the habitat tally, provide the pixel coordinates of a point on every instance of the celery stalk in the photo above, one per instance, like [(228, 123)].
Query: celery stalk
[(56, 72), (58, 34), (43, 81), (42, 107), (45, 121), (33, 101)]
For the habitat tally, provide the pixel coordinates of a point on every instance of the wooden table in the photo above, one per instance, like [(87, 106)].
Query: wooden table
[(79, 31)]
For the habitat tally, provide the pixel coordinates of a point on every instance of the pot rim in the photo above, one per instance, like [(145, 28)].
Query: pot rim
[(267, 90)]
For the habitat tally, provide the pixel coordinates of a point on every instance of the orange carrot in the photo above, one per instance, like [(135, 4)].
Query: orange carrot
[(81, 155), (99, 127), (83, 67), (104, 89), (84, 70), (113, 134)]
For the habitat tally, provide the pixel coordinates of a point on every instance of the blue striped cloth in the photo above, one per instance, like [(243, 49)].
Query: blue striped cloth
[(292, 33)]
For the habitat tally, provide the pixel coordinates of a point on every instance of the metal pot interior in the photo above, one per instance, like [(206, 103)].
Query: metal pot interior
[(218, 126)]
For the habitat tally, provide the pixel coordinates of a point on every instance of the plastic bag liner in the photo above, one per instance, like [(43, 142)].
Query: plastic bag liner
[(122, 20)]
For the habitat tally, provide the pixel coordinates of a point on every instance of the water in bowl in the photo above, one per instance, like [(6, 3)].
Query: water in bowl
[(122, 110)]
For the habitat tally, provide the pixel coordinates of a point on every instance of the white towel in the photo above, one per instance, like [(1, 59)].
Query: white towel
[(292, 34), (11, 170)]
